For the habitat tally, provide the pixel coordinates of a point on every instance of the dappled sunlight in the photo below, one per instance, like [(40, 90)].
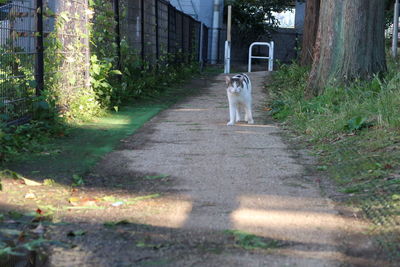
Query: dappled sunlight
[(162, 212), (172, 214), (290, 218), (333, 256), (96, 205)]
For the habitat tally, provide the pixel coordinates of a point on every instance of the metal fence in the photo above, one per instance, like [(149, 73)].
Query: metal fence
[(17, 58), (33, 56)]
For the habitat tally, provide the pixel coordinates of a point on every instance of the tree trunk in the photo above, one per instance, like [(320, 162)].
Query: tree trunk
[(350, 43), (310, 31)]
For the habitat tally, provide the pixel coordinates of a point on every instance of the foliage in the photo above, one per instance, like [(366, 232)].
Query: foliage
[(254, 18), (375, 102), (24, 235), (27, 138), (250, 241), (69, 96), (355, 132), (117, 81), (389, 11)]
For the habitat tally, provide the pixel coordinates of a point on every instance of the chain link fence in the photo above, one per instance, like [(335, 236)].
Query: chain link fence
[(44, 44)]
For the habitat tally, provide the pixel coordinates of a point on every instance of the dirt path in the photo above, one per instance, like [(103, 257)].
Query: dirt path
[(201, 180)]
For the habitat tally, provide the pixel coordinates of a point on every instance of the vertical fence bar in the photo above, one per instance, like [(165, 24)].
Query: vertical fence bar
[(39, 66), (157, 31), (169, 29), (142, 35), (87, 44), (117, 32), (183, 36), (201, 36)]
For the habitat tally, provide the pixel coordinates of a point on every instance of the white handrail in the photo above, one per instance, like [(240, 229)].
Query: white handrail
[(227, 65), (270, 54)]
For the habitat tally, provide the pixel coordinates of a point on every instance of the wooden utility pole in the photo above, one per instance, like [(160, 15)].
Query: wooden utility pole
[(229, 27)]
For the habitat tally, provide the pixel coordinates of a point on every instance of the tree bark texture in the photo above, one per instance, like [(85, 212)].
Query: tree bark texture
[(350, 43), (310, 31)]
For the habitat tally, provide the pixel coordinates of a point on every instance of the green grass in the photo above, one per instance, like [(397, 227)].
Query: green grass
[(249, 241), (355, 132), (68, 158)]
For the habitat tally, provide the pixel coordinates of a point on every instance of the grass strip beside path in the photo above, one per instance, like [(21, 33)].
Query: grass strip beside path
[(86, 143), (354, 132)]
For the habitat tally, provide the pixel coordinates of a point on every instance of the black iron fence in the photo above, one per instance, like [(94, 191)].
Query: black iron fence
[(18, 56), (37, 55)]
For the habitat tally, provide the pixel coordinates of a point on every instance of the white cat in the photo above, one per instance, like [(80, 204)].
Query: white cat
[(239, 96)]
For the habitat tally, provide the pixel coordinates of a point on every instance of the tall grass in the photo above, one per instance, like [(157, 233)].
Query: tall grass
[(356, 131), (338, 110)]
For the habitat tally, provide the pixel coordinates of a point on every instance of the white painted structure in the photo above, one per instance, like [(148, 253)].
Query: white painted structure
[(227, 63), (270, 56)]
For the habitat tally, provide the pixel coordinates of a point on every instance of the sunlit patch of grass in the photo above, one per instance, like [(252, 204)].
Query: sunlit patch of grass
[(355, 132)]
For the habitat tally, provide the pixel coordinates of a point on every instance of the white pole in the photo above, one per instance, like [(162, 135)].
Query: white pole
[(228, 43), (395, 36), (271, 56)]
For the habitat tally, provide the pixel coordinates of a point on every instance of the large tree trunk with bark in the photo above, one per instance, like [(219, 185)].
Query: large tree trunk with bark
[(310, 31), (350, 43)]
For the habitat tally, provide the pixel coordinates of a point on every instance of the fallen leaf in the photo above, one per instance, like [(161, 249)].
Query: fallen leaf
[(109, 198), (75, 201), (30, 196), (117, 204), (31, 182)]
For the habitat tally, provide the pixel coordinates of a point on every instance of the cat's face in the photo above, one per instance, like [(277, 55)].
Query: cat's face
[(235, 85)]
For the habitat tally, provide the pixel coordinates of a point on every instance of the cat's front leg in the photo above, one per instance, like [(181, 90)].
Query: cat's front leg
[(238, 114), (232, 114), (249, 115)]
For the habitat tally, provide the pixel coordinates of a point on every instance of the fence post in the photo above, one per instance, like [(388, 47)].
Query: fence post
[(169, 29), (87, 46), (39, 66), (142, 35), (157, 31), (117, 32), (183, 37), (201, 44)]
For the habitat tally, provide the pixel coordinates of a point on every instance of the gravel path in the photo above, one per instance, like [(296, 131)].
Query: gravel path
[(211, 178)]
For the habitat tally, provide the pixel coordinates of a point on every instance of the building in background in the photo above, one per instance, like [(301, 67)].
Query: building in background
[(210, 13)]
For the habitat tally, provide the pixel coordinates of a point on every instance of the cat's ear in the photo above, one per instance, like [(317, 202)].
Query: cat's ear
[(227, 80)]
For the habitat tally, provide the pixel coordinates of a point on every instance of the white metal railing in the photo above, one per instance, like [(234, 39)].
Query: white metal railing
[(270, 57), (227, 68)]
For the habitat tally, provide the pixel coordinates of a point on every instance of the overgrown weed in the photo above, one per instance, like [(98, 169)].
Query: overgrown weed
[(356, 131)]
